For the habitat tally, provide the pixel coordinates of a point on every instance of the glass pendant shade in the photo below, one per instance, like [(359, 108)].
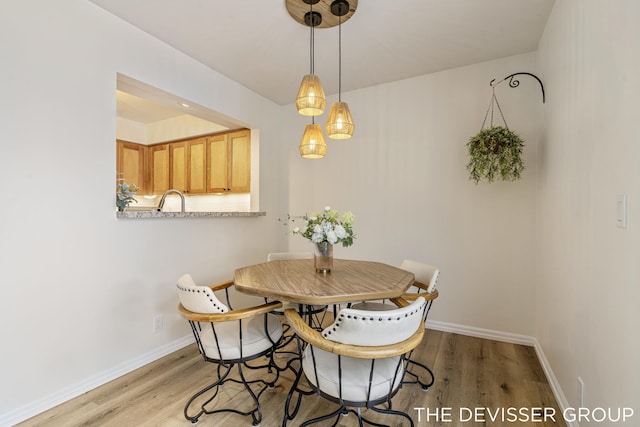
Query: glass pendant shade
[(311, 100), (313, 145), (339, 123)]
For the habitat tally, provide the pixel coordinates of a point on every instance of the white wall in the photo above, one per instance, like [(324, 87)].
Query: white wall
[(588, 276), (404, 176), (80, 288), (540, 257)]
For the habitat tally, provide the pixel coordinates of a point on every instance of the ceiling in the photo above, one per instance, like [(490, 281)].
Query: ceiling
[(142, 110), (259, 45)]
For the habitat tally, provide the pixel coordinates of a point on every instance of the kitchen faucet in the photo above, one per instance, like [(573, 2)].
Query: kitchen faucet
[(164, 196)]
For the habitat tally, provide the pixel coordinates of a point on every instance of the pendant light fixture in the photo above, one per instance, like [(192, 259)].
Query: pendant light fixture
[(340, 123), (311, 100), (313, 145)]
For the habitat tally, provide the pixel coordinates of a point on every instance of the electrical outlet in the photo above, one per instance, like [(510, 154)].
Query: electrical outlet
[(621, 211), (158, 323), (581, 392)]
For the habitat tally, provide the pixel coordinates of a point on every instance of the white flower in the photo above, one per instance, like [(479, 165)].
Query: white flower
[(327, 226)]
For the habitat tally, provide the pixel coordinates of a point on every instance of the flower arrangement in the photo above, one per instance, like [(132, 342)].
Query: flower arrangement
[(328, 226), (124, 195)]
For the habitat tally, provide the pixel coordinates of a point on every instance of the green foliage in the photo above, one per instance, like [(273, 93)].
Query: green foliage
[(124, 195), (495, 152), (327, 226)]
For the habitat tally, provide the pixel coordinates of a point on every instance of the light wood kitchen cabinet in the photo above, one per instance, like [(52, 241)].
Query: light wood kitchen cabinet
[(159, 168), (217, 164), (229, 162), (214, 164), (240, 161), (178, 166), (130, 163), (197, 165)]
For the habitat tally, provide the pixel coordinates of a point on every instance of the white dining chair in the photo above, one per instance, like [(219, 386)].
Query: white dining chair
[(425, 285), (358, 361), (229, 338)]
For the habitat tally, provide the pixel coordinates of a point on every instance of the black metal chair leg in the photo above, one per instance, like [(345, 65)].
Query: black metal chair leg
[(288, 414), (215, 384), (256, 419), (425, 385), (255, 412)]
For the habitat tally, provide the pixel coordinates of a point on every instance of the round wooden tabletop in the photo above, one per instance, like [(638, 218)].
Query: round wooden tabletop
[(297, 281)]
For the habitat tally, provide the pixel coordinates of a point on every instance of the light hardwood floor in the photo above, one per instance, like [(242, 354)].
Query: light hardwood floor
[(470, 373)]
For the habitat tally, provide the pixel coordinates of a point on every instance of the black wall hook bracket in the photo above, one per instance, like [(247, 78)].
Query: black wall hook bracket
[(515, 83)]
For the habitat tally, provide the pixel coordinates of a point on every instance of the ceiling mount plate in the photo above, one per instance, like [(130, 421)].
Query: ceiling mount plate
[(299, 8), (340, 7), (312, 19)]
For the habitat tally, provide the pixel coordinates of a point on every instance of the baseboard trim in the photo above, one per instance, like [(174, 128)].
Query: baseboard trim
[(553, 382), (36, 407), (513, 339), (488, 334)]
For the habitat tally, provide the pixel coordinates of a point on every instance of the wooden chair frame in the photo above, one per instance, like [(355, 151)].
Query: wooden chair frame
[(429, 297), (312, 337), (196, 320)]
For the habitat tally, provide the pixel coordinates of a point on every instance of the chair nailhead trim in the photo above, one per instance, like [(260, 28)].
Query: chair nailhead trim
[(336, 325), (199, 291)]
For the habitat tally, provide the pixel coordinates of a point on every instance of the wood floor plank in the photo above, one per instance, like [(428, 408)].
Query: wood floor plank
[(470, 373)]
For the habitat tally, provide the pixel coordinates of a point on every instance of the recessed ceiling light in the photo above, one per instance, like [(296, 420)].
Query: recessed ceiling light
[(184, 104)]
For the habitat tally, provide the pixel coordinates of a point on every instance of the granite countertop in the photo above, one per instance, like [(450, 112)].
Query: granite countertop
[(149, 214)]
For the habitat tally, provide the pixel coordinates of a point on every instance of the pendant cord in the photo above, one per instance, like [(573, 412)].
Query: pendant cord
[(312, 40), (340, 58)]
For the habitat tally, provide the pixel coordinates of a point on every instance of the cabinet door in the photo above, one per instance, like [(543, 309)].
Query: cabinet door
[(178, 166), (130, 161), (196, 161), (159, 168), (217, 164), (240, 161)]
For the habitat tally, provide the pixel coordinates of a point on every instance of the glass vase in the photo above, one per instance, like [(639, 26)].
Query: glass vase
[(323, 257)]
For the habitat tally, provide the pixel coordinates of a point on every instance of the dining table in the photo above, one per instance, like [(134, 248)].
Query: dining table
[(297, 281)]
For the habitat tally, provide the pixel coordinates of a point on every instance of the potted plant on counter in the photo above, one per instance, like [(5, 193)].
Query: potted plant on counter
[(124, 195)]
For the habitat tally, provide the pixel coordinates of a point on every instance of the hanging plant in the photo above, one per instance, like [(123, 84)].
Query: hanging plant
[(495, 152)]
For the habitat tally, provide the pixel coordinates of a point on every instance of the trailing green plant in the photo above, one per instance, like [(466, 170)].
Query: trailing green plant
[(495, 152)]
